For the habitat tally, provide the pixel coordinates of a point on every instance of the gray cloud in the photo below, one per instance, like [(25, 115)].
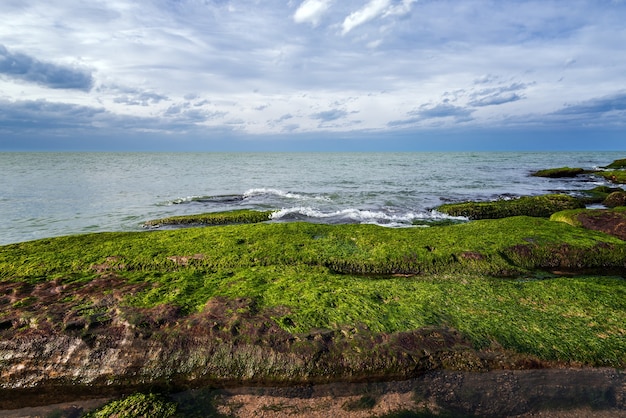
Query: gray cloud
[(443, 110), (596, 106), (496, 99), (140, 99), (330, 115), (439, 111), (24, 67)]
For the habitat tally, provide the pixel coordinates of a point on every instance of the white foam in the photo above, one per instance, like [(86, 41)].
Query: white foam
[(280, 193), (364, 216)]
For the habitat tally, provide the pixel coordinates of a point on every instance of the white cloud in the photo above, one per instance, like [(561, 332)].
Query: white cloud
[(369, 12), (311, 11), (400, 9)]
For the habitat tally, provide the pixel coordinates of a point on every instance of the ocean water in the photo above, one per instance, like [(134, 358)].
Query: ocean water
[(51, 194)]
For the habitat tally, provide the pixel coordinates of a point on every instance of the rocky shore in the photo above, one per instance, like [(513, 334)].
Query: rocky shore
[(518, 312)]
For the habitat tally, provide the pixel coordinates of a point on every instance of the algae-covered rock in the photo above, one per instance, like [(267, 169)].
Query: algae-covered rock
[(609, 221), (137, 405), (537, 206), (214, 218), (614, 176), (559, 172), (597, 194), (617, 164), (615, 199), (299, 303)]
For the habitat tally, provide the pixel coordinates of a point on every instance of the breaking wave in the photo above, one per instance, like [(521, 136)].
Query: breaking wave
[(351, 215), (265, 192)]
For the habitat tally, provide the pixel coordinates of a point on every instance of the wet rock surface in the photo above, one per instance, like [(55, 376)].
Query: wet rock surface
[(610, 222)]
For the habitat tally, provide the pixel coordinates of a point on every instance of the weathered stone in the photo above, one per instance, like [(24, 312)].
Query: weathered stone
[(615, 199)]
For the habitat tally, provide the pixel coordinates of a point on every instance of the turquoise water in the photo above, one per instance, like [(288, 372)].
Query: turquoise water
[(51, 194)]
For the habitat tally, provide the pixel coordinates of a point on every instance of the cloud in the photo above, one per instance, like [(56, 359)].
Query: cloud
[(400, 9), (443, 110), (496, 99), (437, 112), (22, 116), (140, 99), (330, 115), (369, 12), (311, 11), (596, 106), (373, 10), (23, 67)]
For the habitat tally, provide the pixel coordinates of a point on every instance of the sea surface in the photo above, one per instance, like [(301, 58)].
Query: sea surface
[(50, 194)]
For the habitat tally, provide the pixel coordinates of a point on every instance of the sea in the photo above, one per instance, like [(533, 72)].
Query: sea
[(51, 194)]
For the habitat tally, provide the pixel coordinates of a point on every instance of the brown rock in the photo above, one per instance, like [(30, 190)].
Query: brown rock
[(615, 199), (607, 221)]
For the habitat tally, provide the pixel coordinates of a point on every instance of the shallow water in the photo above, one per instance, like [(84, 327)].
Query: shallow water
[(51, 194)]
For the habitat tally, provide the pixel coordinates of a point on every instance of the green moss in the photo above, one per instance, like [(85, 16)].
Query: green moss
[(539, 206), (559, 172), (216, 218), (136, 405), (615, 199), (616, 176), (312, 277), (597, 194), (617, 164), (569, 217)]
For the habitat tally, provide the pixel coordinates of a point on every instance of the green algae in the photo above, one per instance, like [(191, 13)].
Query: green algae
[(615, 176), (488, 280), (214, 218), (597, 194), (559, 172), (137, 405), (615, 199), (617, 164), (538, 206)]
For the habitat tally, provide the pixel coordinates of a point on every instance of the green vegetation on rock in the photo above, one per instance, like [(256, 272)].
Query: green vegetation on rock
[(559, 172), (136, 405), (615, 176), (615, 199), (617, 164), (610, 221), (597, 194), (281, 303), (216, 218), (538, 206), (332, 277)]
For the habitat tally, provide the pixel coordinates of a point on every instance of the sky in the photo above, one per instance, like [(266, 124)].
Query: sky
[(337, 75)]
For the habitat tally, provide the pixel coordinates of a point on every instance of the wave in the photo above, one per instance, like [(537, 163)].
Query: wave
[(283, 194), (251, 194), (352, 215)]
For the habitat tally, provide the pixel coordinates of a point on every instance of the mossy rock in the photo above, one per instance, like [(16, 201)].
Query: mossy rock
[(615, 199), (609, 221), (537, 206), (290, 303), (597, 194), (137, 405), (617, 164), (614, 176), (559, 172), (243, 216)]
